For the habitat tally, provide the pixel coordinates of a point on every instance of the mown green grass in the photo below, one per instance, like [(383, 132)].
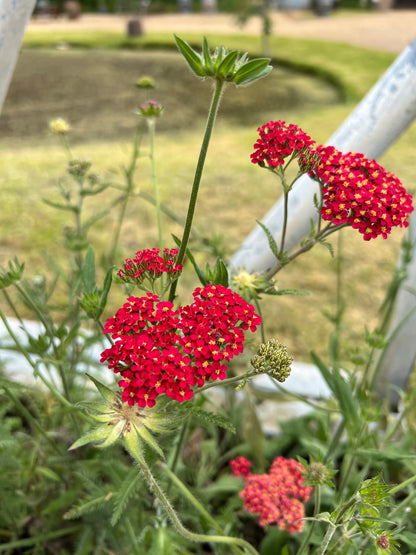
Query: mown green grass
[(234, 193)]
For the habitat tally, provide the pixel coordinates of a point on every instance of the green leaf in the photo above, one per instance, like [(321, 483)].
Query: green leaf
[(200, 273), (387, 454), (227, 66), (328, 246), (270, 239), (105, 391), (86, 508), (342, 392), (124, 493), (252, 70), (92, 437), (303, 292), (104, 295), (212, 418), (220, 273), (12, 275), (113, 433), (194, 60), (133, 446), (59, 206), (48, 473), (209, 67), (88, 272), (219, 56), (252, 430), (91, 221), (147, 437)]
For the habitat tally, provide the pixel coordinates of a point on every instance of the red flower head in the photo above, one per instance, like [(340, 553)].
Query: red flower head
[(149, 264), (279, 496), (161, 350), (277, 141), (241, 467), (360, 192)]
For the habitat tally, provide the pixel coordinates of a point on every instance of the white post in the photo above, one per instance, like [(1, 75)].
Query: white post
[(387, 110), (14, 16), (384, 113), (398, 358)]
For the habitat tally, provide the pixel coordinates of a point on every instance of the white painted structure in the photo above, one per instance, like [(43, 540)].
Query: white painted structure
[(379, 119), (14, 16)]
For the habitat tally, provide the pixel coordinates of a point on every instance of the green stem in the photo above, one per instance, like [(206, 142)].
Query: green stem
[(178, 446), (180, 528), (285, 217), (335, 441), (403, 485), (129, 174), (225, 382), (212, 114), (325, 542), (151, 126), (316, 511), (258, 308), (328, 230), (198, 506), (45, 537), (407, 502), (30, 418), (66, 145)]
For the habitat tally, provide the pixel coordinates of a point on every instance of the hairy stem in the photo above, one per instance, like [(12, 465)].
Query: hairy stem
[(173, 517)]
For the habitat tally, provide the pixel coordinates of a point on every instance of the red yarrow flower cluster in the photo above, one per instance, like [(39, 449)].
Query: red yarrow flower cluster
[(279, 496), (356, 191), (359, 192), (277, 141), (149, 264), (161, 350)]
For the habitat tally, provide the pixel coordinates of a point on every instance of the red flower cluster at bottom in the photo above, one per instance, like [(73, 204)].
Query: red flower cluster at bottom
[(279, 496), (161, 350)]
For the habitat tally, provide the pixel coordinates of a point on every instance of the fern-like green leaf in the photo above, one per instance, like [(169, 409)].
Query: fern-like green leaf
[(87, 507), (270, 239), (124, 494), (212, 418), (328, 246)]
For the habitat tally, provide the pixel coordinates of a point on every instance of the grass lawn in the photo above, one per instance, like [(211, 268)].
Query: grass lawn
[(93, 89)]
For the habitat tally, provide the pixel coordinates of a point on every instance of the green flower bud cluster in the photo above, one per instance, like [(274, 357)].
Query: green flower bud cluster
[(272, 358), (317, 474), (78, 168), (145, 83), (223, 64)]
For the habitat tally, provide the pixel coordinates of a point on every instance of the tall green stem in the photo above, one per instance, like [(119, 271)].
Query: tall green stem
[(316, 510), (151, 127), (285, 217), (129, 174), (212, 114)]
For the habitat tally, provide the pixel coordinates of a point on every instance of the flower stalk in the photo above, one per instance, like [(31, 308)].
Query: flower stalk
[(212, 114)]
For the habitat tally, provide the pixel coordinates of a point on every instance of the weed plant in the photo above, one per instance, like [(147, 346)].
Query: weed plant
[(159, 463)]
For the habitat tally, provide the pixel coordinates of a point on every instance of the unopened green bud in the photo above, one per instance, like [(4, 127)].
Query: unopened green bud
[(150, 109), (316, 474), (273, 358), (145, 83)]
